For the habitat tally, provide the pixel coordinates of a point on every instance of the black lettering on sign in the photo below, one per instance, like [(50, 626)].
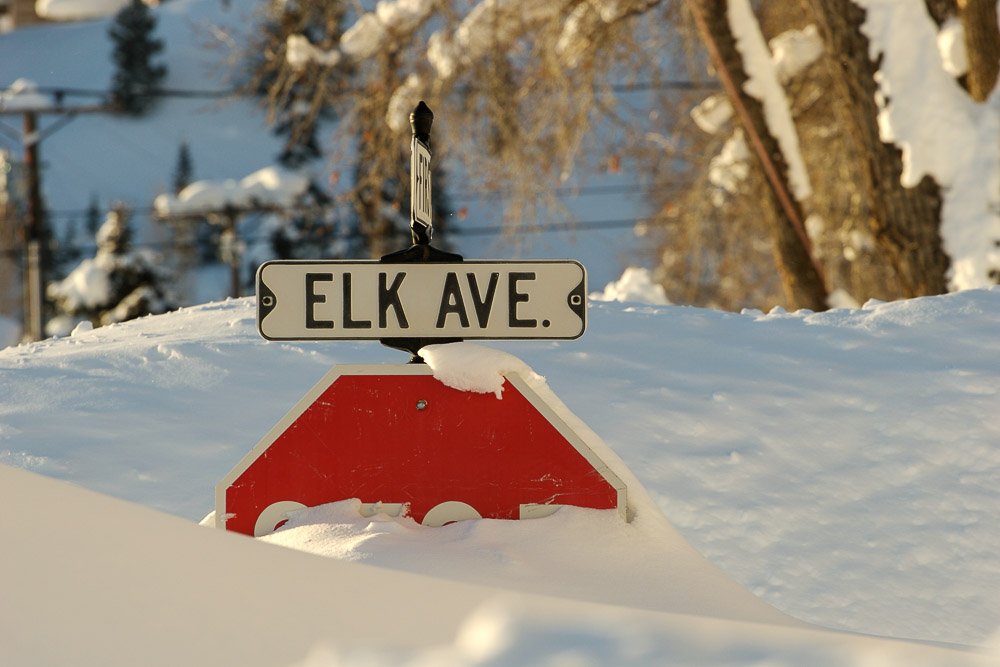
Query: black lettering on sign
[(423, 190), (426, 182), (349, 321), (452, 302), (420, 182), (312, 298), (389, 296), (514, 297), (483, 305)]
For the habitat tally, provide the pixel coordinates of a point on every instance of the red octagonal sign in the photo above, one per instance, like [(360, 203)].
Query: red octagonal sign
[(399, 440)]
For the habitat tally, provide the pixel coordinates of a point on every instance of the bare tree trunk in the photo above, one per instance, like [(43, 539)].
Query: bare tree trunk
[(803, 284), (982, 45), (904, 221)]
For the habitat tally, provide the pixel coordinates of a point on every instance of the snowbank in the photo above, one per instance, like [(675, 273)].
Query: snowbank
[(841, 466), (635, 285), (137, 580)]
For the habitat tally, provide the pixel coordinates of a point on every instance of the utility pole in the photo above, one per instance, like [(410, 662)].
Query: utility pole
[(11, 181), (231, 248), (31, 229), (34, 274), (232, 253)]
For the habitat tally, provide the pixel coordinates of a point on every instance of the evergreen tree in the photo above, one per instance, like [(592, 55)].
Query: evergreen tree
[(65, 250), (136, 78), (301, 145), (310, 232), (184, 170), (93, 217), (119, 283)]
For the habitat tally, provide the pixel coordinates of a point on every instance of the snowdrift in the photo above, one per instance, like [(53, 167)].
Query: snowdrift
[(840, 466), (90, 580)]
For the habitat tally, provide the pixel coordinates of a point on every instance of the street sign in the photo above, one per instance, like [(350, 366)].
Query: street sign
[(420, 183), (397, 439), (371, 300)]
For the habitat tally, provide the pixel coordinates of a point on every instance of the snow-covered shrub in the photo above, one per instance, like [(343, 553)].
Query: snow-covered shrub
[(119, 283)]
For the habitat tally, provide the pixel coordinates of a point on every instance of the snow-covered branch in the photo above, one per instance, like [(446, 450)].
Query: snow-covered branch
[(271, 186), (763, 84), (790, 53), (370, 34), (490, 23), (586, 18), (23, 94), (77, 10), (794, 50)]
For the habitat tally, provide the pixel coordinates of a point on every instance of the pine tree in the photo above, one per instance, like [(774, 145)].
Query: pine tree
[(93, 216), (184, 170), (65, 249), (136, 78), (311, 232)]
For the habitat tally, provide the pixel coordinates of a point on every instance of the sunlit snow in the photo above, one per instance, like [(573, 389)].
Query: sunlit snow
[(840, 466)]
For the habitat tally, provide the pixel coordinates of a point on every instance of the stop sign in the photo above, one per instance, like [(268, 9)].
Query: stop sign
[(399, 440)]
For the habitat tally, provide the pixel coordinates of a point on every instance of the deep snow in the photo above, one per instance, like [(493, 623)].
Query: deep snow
[(842, 466)]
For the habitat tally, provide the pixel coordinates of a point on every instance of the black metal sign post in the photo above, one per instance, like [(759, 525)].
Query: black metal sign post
[(421, 221), (421, 295)]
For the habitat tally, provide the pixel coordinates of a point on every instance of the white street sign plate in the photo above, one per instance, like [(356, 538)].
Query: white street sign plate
[(420, 182), (369, 300)]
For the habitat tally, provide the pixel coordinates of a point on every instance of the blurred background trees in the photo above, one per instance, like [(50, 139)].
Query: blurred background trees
[(537, 96)]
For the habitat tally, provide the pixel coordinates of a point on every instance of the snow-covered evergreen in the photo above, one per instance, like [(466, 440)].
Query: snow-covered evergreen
[(841, 466), (137, 76), (118, 283)]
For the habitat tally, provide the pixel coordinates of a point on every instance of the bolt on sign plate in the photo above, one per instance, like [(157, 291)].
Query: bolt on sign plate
[(371, 300)]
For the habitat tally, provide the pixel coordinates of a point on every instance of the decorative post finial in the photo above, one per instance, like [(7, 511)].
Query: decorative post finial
[(421, 119), (421, 216)]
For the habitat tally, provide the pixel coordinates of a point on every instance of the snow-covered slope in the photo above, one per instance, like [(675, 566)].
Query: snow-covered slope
[(93, 581), (841, 466), (89, 580)]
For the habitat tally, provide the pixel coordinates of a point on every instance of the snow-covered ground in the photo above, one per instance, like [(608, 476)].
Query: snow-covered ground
[(836, 470), (843, 467)]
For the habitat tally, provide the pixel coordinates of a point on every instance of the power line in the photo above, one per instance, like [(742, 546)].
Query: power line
[(467, 196), (58, 91), (585, 226), (570, 191), (488, 230), (636, 86)]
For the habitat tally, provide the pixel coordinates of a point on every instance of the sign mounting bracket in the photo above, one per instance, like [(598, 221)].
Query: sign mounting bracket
[(421, 225)]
